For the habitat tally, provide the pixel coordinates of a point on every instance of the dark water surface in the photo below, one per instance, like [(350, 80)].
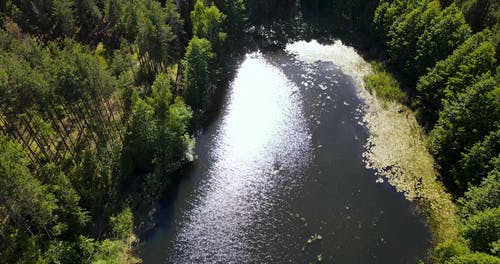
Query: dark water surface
[(280, 178)]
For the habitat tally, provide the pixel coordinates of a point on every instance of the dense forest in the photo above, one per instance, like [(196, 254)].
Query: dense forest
[(446, 52), (100, 99)]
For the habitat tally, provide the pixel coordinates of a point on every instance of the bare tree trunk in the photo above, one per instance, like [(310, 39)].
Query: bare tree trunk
[(12, 132), (37, 140), (21, 224)]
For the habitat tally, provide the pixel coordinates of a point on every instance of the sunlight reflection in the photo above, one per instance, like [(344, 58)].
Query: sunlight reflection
[(262, 145)]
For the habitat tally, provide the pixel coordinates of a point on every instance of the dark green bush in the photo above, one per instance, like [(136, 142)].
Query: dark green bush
[(384, 86)]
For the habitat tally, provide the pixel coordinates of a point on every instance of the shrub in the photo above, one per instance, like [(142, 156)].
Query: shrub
[(384, 86)]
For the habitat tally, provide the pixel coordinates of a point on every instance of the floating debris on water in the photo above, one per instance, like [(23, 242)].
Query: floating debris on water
[(314, 238)]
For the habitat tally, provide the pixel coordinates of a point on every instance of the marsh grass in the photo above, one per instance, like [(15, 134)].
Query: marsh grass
[(381, 84), (396, 147), (397, 150)]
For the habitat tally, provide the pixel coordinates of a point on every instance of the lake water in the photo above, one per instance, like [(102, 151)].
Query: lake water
[(280, 176)]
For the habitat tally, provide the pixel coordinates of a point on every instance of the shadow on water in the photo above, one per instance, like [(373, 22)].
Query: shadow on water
[(321, 20)]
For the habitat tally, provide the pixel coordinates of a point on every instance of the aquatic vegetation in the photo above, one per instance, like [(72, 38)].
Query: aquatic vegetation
[(396, 148), (383, 85)]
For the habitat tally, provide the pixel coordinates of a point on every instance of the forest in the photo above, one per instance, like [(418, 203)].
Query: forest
[(100, 101), (446, 53)]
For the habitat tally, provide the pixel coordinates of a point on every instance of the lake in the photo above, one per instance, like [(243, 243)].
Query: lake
[(280, 176)]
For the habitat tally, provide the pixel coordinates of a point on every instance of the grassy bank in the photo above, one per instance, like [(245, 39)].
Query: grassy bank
[(397, 150)]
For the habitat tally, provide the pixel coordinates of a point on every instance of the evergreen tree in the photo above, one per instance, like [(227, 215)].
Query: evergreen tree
[(453, 75), (199, 77)]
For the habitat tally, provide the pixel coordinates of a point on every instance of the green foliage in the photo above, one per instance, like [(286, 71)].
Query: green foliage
[(71, 217), (482, 197), (89, 15), (85, 89), (477, 162), (453, 75), (154, 28), (25, 83), (156, 38), (404, 35), (481, 14), (444, 34), (64, 17), (208, 23), (482, 229), (384, 86), (122, 224), (463, 122), (447, 250), (236, 18), (30, 207), (173, 118), (141, 136), (26, 200), (417, 39), (199, 75), (157, 143), (458, 98), (474, 258), (388, 12), (110, 252), (106, 252), (457, 253), (65, 99), (162, 97), (178, 144)]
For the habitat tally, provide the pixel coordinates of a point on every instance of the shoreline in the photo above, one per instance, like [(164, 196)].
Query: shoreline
[(396, 148), (397, 151)]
